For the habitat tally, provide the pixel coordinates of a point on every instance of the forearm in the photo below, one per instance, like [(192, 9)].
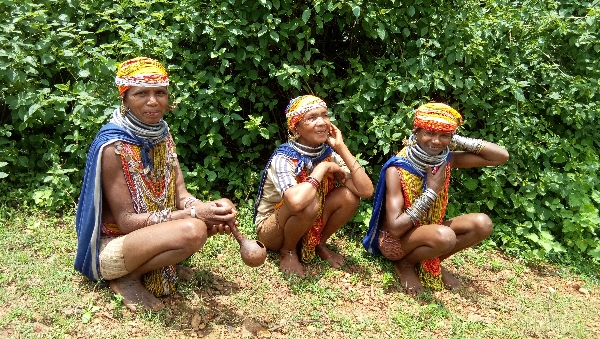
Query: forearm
[(360, 179), (492, 153), (186, 201), (405, 220)]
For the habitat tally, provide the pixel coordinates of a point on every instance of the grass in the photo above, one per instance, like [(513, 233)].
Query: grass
[(44, 297)]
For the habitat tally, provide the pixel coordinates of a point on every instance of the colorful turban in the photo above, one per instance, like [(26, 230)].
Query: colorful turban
[(299, 106), (437, 117), (141, 71)]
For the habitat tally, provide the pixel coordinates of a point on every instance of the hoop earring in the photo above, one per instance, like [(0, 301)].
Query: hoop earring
[(173, 107), (123, 110), (408, 142)]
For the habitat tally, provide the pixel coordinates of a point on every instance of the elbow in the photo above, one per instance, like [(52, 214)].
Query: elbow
[(367, 193), (503, 157), (294, 202)]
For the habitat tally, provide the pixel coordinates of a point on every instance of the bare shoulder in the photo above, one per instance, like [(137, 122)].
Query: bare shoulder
[(110, 157)]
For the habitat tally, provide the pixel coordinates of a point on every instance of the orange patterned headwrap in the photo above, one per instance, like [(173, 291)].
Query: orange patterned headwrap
[(300, 105), (437, 117), (141, 71)]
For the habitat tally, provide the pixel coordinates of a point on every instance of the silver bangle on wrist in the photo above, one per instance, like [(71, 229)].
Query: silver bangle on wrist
[(421, 205), (460, 143), (161, 216), (188, 200)]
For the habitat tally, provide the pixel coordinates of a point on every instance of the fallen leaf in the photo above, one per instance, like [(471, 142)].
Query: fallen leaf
[(196, 321)]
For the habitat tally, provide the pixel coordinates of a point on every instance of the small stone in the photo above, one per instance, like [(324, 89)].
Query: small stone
[(584, 291)]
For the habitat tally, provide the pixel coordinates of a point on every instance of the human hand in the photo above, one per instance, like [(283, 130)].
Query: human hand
[(215, 213), (332, 171), (335, 138), (436, 177), (220, 228)]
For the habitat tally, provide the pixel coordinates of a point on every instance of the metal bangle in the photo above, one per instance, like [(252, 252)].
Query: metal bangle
[(461, 143), (188, 200)]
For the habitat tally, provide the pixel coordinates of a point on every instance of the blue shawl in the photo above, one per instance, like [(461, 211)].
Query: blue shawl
[(88, 220), (303, 161), (371, 240)]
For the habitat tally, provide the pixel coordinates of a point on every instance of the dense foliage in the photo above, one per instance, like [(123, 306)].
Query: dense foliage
[(523, 73)]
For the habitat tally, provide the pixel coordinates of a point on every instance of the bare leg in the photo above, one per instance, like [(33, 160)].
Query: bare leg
[(424, 242), (470, 230), (152, 248), (283, 230), (135, 294), (340, 206)]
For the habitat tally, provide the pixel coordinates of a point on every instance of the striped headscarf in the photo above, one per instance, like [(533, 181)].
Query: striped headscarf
[(437, 117), (141, 71), (299, 106)]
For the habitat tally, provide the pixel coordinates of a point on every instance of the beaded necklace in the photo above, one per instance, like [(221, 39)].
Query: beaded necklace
[(308, 151), (420, 158), (148, 135)]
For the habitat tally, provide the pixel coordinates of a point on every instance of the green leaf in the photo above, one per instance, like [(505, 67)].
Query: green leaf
[(471, 184), (381, 31), (306, 15), (274, 36)]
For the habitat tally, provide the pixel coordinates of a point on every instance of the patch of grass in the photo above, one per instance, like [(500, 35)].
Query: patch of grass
[(502, 297)]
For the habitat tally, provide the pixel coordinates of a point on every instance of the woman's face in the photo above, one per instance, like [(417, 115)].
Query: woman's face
[(313, 129), (433, 143), (149, 104)]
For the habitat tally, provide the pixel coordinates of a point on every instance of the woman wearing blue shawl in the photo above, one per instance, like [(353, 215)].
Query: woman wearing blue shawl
[(307, 191), (408, 225), (135, 219)]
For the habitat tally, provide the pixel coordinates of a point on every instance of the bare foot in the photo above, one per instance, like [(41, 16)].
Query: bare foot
[(185, 273), (334, 259), (408, 278), (449, 279), (290, 263), (135, 294)]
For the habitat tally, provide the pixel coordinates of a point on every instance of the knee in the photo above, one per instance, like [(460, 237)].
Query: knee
[(345, 198), (483, 226), (193, 234), (444, 239), (351, 200), (310, 212)]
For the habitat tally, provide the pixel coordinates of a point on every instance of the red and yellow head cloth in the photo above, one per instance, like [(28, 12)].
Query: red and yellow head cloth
[(141, 71), (437, 117), (299, 106)]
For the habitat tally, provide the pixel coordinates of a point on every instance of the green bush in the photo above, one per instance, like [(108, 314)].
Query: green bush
[(523, 73)]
